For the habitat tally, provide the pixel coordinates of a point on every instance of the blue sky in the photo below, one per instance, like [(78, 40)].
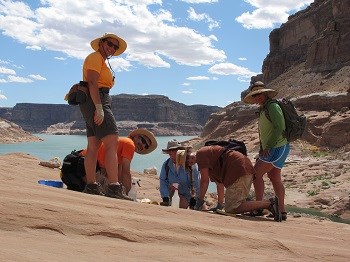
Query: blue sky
[(193, 51)]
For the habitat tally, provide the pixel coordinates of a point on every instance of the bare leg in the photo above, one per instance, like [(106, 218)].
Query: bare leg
[(248, 206), (276, 180), (261, 169), (91, 159), (111, 160)]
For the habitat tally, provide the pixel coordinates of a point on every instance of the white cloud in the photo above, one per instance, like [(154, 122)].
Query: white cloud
[(187, 92), (34, 48), (7, 71), (4, 62), (37, 77), (186, 84), (196, 78), (59, 58), (69, 26), (231, 69), (3, 81), (119, 64), (192, 15), (200, 1), (18, 79), (242, 59), (2, 97), (269, 13)]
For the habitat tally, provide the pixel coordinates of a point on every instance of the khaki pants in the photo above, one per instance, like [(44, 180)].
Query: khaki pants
[(237, 193)]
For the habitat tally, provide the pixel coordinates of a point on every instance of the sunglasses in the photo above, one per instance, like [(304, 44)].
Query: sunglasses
[(144, 142), (110, 44)]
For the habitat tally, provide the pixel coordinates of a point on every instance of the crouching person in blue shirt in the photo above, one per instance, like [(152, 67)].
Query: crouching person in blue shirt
[(177, 177)]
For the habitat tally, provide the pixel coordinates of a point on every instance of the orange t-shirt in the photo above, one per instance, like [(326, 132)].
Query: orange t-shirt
[(125, 149), (95, 62)]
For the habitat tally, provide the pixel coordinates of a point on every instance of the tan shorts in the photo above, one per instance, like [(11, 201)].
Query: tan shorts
[(237, 193)]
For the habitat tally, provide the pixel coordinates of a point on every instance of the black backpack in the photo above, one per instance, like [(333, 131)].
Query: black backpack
[(295, 123), (73, 171), (231, 144)]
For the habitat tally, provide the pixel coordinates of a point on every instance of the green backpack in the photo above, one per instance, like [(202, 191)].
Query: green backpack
[(295, 123)]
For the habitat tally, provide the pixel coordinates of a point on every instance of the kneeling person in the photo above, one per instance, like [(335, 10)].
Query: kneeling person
[(236, 172)]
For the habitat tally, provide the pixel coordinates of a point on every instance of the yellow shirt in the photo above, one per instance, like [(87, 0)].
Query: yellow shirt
[(95, 62)]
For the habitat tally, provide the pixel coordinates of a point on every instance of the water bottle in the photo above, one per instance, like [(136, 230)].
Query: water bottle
[(133, 191), (175, 201)]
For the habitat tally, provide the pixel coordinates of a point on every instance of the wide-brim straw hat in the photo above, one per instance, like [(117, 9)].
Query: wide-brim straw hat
[(173, 144), (258, 88), (95, 44), (148, 136)]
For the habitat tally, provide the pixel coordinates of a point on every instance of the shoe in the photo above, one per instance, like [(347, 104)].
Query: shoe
[(116, 191), (93, 189), (256, 213), (284, 216), (274, 209), (218, 206)]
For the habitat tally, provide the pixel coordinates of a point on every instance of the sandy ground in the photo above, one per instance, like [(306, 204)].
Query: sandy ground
[(39, 222)]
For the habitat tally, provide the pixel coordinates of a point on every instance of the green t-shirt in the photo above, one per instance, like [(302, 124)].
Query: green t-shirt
[(271, 132)]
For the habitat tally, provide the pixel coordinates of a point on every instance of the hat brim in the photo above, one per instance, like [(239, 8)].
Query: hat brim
[(149, 135), (171, 148), (249, 99), (95, 44)]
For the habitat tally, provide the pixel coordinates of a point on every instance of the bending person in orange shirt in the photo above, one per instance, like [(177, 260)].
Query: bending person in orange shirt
[(140, 141)]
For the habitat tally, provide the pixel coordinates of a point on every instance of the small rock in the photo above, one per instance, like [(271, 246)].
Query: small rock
[(337, 173)]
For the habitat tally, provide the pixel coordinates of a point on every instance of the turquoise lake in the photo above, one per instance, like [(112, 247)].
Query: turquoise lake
[(61, 145)]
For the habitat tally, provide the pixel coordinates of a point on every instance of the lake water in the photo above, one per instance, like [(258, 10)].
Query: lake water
[(61, 145)]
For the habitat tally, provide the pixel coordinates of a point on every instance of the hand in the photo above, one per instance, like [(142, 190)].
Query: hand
[(199, 204), (265, 152), (165, 202), (174, 187), (99, 114)]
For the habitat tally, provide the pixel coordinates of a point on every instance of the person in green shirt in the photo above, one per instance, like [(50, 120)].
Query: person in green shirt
[(274, 147)]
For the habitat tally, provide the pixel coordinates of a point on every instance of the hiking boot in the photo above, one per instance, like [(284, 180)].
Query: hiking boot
[(116, 191), (274, 209), (93, 189), (218, 206), (284, 216), (256, 213)]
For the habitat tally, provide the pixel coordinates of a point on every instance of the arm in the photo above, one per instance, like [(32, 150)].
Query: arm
[(221, 192), (124, 174), (204, 182), (196, 181), (92, 78), (163, 182)]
